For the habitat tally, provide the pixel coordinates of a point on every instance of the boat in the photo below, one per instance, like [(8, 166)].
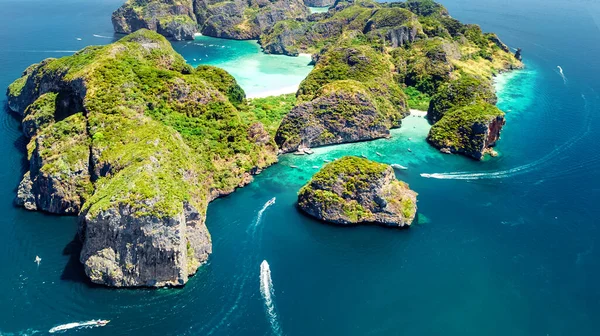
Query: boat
[(397, 166), (316, 167), (293, 166), (363, 155), (379, 154), (299, 152), (87, 324), (37, 260), (270, 202), (308, 151), (325, 160), (409, 150)]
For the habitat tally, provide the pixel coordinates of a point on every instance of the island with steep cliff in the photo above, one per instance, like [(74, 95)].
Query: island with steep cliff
[(353, 190), (136, 143)]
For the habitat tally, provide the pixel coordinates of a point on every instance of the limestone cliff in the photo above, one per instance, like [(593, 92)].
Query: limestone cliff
[(353, 190), (349, 96), (469, 130), (136, 142), (181, 19)]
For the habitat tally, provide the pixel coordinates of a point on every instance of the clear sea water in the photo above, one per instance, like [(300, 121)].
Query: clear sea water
[(508, 246)]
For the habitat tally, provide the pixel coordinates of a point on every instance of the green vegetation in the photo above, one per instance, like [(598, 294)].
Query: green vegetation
[(40, 113), (269, 110), (463, 129), (353, 60), (355, 171), (161, 132), (351, 189), (416, 99), (464, 91)]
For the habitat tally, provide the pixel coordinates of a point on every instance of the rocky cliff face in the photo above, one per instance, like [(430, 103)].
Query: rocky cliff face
[(173, 19), (345, 114), (352, 190), (396, 26), (349, 96), (469, 130), (181, 19), (149, 251), (136, 142)]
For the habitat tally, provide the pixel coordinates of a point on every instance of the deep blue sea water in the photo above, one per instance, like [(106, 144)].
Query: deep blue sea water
[(509, 246)]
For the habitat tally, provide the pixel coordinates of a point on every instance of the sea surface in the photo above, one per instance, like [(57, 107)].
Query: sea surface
[(507, 246)]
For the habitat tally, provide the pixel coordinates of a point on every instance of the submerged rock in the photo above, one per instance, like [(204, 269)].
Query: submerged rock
[(353, 190)]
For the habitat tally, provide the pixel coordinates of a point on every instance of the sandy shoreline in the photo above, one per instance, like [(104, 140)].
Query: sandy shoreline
[(417, 113)]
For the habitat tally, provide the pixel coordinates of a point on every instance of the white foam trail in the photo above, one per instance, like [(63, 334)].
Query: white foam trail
[(75, 325), (266, 289), (524, 168), (102, 36), (241, 281), (562, 74), (261, 212)]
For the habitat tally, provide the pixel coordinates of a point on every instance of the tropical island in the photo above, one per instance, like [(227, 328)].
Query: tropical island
[(136, 143), (354, 190)]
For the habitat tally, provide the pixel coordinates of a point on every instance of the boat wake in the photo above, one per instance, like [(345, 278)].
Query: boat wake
[(77, 325), (266, 290), (242, 280), (260, 213), (555, 155), (562, 74), (102, 36)]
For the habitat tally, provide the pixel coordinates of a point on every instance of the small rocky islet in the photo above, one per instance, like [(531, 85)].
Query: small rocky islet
[(136, 143), (353, 190)]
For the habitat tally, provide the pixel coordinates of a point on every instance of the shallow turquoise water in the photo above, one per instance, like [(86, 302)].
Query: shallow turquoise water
[(318, 9), (258, 73), (508, 246)]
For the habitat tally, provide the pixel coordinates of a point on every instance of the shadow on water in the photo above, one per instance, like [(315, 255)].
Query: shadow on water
[(73, 270), (21, 142)]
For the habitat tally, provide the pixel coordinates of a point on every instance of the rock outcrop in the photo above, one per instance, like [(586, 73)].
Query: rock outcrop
[(353, 190), (173, 19), (181, 19), (349, 96), (136, 142), (467, 90), (343, 112), (469, 130), (395, 26)]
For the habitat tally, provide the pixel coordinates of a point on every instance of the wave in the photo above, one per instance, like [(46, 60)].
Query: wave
[(102, 36), (266, 290), (76, 325), (556, 154)]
